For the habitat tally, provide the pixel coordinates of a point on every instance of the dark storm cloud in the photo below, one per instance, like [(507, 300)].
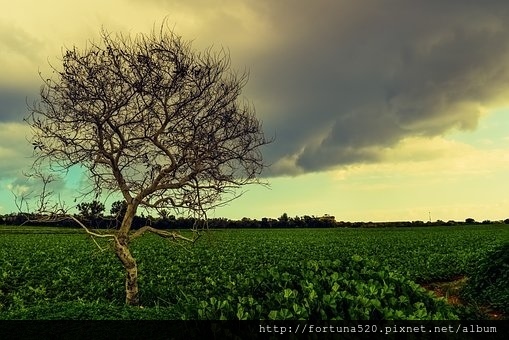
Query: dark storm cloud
[(350, 77), (337, 81), (13, 104)]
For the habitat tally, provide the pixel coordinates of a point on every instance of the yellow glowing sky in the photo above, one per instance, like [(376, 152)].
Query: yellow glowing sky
[(317, 68)]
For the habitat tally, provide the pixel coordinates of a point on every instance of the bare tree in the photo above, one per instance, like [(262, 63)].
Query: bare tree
[(150, 118), (44, 193)]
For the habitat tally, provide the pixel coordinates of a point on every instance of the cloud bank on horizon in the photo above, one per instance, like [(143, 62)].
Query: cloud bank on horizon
[(336, 82)]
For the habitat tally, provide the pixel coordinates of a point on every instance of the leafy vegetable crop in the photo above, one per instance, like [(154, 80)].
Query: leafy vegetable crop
[(489, 282), (244, 274)]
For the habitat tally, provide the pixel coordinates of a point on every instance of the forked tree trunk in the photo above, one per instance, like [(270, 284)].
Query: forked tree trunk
[(131, 268)]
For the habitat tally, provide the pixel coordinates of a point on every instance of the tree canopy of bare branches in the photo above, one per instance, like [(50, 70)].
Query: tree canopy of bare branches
[(152, 119)]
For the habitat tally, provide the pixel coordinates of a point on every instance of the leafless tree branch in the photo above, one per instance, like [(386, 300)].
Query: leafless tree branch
[(153, 120)]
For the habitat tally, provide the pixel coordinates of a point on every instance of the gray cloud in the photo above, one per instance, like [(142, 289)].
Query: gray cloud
[(352, 77), (15, 151), (338, 81), (13, 104)]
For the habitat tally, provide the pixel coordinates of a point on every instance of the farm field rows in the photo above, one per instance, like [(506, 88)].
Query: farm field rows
[(243, 274)]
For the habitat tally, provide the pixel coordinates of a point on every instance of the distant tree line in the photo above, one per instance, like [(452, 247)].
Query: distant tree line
[(93, 214)]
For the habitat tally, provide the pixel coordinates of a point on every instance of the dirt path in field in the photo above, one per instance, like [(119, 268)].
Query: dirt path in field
[(450, 291)]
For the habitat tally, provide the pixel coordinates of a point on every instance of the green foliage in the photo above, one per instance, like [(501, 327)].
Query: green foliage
[(489, 282), (357, 289), (118, 209), (243, 274), (90, 210), (82, 310)]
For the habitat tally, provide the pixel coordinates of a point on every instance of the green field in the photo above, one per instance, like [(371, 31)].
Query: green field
[(48, 273)]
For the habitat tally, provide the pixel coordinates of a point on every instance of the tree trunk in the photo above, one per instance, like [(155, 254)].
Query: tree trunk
[(131, 279), (125, 256)]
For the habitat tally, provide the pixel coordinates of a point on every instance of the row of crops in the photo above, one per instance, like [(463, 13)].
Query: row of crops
[(251, 274)]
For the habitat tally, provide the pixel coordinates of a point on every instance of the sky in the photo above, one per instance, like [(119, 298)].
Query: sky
[(381, 110)]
